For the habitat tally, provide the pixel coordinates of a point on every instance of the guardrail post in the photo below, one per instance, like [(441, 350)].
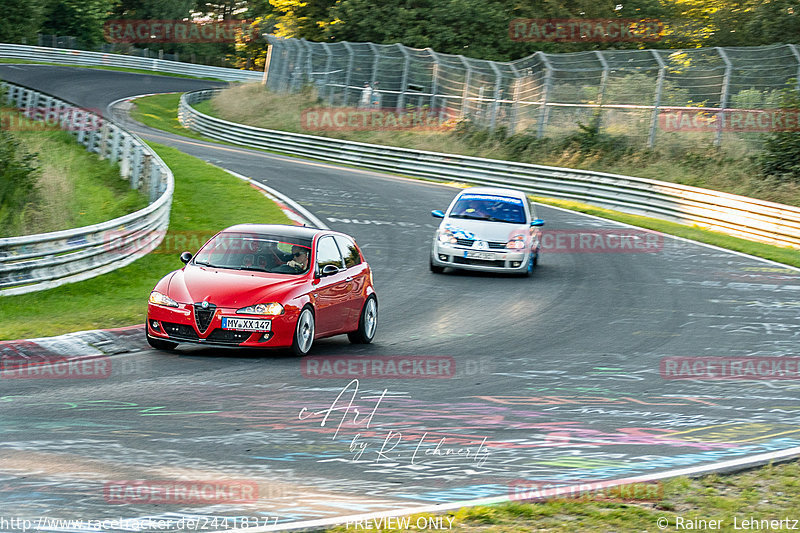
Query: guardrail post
[(145, 181), (544, 110), (136, 167), (92, 123), (401, 98), (81, 123), (115, 144), (348, 74), (662, 72), (467, 81), (723, 104), (155, 181), (125, 157), (103, 148)]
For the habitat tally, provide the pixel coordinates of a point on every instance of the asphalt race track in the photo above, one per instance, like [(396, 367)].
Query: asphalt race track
[(556, 379)]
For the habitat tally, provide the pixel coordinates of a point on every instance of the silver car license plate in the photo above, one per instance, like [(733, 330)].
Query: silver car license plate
[(484, 256)]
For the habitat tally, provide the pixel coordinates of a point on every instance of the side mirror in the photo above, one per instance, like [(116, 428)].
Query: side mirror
[(537, 222), (186, 257), (436, 213), (329, 270)]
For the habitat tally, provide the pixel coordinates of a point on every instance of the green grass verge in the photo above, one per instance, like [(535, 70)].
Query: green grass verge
[(119, 69), (119, 298), (785, 255), (161, 112), (768, 493), (75, 187)]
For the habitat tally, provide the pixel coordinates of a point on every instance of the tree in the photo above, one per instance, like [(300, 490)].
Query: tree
[(20, 20), (82, 19)]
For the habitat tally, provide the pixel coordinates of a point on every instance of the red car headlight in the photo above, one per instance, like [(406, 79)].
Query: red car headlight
[(162, 299), (272, 308)]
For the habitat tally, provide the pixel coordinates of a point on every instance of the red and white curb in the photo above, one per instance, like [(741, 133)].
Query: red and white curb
[(94, 342)]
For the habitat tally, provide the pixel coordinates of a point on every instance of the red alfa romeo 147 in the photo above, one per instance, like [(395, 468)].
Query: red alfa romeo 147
[(266, 286)]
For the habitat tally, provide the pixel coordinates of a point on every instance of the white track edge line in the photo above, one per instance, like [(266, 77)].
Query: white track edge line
[(280, 196), (438, 508)]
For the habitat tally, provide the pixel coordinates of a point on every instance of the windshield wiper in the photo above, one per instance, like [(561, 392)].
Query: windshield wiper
[(469, 217)]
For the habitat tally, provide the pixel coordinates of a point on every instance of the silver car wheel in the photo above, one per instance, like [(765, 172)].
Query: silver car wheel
[(370, 318), (305, 331)]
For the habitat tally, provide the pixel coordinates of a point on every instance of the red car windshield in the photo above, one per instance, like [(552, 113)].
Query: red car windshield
[(250, 251)]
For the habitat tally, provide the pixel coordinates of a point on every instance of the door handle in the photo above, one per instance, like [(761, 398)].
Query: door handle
[(350, 278)]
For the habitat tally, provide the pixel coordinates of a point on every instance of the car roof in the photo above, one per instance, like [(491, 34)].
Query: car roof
[(284, 230), (497, 191)]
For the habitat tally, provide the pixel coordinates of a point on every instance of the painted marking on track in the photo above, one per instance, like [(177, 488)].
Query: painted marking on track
[(724, 432)]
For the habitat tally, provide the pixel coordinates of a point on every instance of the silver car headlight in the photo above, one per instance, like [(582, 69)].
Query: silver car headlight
[(516, 243), (272, 308), (446, 237)]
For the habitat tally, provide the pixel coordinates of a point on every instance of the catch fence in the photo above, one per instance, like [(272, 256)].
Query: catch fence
[(704, 95)]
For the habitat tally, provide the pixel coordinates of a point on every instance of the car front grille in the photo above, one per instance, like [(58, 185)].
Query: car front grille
[(468, 261), (203, 316), (494, 245), (224, 336), (180, 331)]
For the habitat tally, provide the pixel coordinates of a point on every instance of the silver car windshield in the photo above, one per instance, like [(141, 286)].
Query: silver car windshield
[(489, 207)]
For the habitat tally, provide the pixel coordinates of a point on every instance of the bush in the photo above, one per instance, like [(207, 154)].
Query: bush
[(780, 157), (19, 175)]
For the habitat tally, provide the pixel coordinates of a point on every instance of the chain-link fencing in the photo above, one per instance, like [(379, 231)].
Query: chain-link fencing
[(685, 97)]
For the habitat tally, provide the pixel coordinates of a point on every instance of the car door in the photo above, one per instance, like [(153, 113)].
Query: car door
[(357, 279), (330, 293)]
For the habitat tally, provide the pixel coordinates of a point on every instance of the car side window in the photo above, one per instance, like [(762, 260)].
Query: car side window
[(349, 251), (328, 253)]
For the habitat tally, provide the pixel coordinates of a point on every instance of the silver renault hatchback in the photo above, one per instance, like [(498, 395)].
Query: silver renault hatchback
[(489, 229)]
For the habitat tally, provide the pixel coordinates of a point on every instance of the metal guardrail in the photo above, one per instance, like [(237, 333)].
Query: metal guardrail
[(36, 262), (735, 215), (82, 57)]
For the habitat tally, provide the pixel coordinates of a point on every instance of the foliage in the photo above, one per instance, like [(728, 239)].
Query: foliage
[(83, 19), (781, 155), (18, 181), (20, 21)]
